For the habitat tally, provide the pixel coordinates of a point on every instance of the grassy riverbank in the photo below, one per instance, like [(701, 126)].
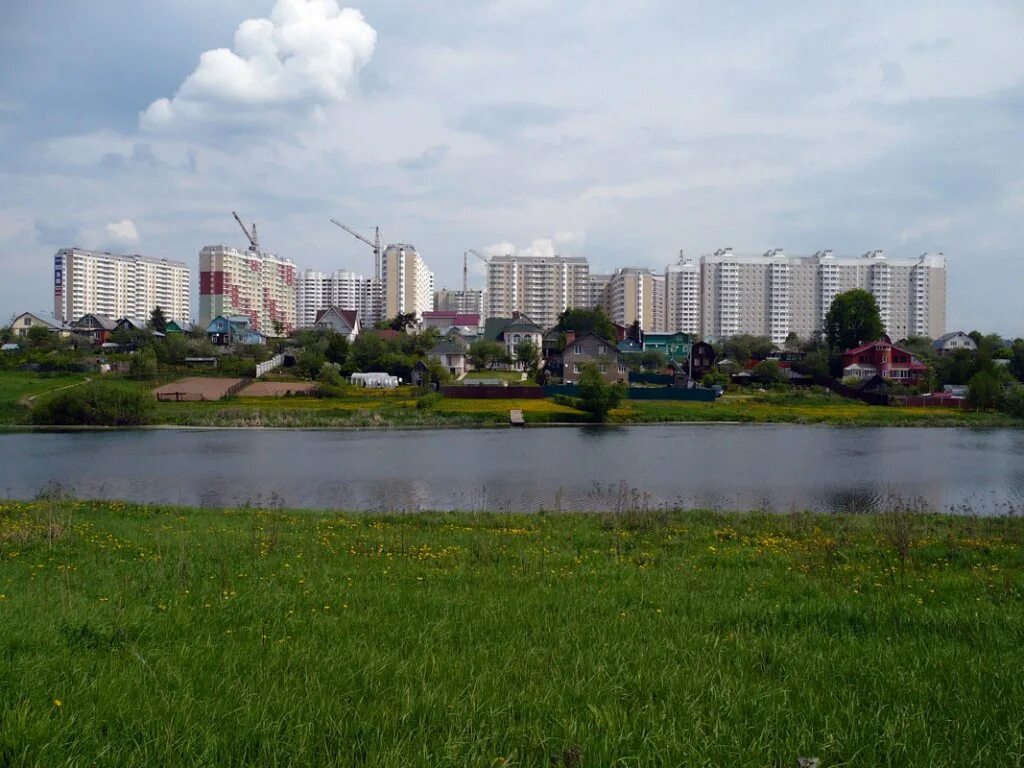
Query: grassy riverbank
[(137, 636), (356, 407)]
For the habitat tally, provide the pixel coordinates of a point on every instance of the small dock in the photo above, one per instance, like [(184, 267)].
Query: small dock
[(515, 418)]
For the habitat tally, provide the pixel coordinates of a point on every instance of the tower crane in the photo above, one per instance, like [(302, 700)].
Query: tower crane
[(465, 270), (374, 244), (254, 243)]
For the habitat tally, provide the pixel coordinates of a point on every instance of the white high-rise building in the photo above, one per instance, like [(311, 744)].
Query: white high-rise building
[(541, 287), (682, 296), (260, 286), (635, 294), (94, 282), (407, 284), (345, 290), (774, 294)]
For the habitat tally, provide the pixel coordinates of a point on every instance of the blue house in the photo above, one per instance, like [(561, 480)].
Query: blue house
[(226, 330)]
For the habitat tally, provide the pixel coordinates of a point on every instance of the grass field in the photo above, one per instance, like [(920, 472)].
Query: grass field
[(357, 407), (135, 636), (16, 386), (512, 377)]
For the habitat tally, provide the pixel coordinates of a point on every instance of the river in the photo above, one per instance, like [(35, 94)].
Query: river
[(773, 467)]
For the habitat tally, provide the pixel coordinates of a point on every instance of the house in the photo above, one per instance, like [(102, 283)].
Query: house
[(951, 343), (130, 324), (343, 321), (674, 346), (227, 330), (630, 346), (463, 322), (510, 331), (450, 355), (95, 328), (28, 320), (702, 359), (884, 359), (172, 326), (590, 348)]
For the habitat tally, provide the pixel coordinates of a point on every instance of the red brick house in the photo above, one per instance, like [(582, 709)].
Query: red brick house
[(885, 359)]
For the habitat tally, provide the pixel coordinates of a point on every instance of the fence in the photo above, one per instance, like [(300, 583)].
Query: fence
[(489, 392), (269, 365), (652, 378)]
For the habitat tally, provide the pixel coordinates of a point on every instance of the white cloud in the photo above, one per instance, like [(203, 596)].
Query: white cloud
[(307, 52), (122, 232), (542, 246)]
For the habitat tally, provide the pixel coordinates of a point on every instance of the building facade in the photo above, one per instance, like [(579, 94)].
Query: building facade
[(635, 294), (775, 294), (94, 282), (407, 284), (682, 296), (261, 286), (471, 301), (541, 287), (318, 291)]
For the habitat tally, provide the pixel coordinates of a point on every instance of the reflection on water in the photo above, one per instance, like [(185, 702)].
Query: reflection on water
[(775, 468)]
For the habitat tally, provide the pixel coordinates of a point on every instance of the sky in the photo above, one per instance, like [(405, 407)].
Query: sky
[(622, 131)]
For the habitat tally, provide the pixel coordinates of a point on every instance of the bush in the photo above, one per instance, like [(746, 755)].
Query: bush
[(95, 404), (330, 374), (429, 400), (142, 366)]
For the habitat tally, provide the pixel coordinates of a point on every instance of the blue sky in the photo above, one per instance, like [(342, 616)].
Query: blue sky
[(622, 131)]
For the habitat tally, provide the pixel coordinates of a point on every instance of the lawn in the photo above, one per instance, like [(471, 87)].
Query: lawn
[(136, 636), (512, 377), (16, 386)]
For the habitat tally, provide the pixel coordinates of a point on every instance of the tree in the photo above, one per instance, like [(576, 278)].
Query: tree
[(483, 354), (583, 320), (337, 348), (634, 332), (852, 320), (743, 347), (402, 320), (792, 342), (984, 390), (38, 336), (527, 354), (770, 372), (278, 328), (1017, 359), (597, 396), (157, 321), (142, 365)]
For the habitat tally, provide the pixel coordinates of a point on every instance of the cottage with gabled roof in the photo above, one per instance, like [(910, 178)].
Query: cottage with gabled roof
[(343, 321), (96, 328), (586, 348), (451, 355), (27, 320), (227, 330), (884, 359), (951, 343)]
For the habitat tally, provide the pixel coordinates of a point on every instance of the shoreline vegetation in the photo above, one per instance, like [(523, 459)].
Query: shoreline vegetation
[(22, 395), (134, 635)]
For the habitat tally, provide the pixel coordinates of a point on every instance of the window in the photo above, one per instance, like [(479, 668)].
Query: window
[(602, 350), (575, 368), (577, 349)]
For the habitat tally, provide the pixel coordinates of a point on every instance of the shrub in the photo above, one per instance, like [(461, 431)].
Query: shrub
[(94, 404), (142, 366), (330, 374), (428, 401)]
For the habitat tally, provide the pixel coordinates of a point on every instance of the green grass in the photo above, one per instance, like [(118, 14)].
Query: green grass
[(357, 407), (512, 377), (133, 636), (16, 387)]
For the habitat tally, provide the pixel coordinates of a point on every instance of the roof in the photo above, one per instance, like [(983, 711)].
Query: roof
[(937, 344), (350, 316), (455, 318), (10, 347), (133, 321), (44, 317), (522, 323), (384, 333), (102, 321), (447, 347), (494, 327)]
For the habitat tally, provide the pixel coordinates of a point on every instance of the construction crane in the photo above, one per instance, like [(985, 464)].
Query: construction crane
[(465, 271), (254, 243), (375, 244)]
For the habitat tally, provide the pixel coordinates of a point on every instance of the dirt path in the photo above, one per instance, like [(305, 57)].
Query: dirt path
[(29, 399)]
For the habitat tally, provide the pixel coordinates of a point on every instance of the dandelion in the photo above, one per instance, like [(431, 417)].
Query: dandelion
[(58, 703)]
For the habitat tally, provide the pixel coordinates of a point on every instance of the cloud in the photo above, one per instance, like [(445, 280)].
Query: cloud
[(309, 52), (541, 246), (427, 159), (122, 232)]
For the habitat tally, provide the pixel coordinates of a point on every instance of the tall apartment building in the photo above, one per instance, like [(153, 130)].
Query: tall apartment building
[(774, 294), (682, 296), (542, 287), (345, 290), (261, 286), (635, 294), (93, 282), (407, 284), (472, 302)]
